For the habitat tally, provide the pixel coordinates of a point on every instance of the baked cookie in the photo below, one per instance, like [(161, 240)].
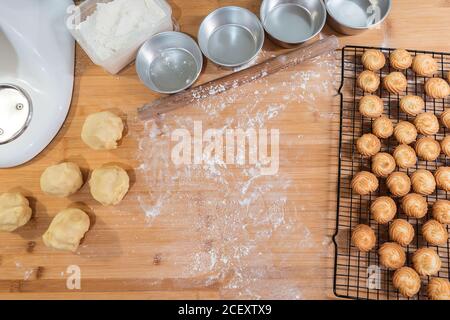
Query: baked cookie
[(423, 182), (364, 182), (395, 82), (368, 145), (402, 232), (428, 149), (442, 176), (383, 210), (412, 105), (427, 123), (435, 233), (426, 262), (371, 106), (445, 119), (441, 211), (398, 184), (405, 132), (445, 146), (439, 289), (415, 206), (368, 81), (401, 59), (406, 281), (382, 127), (383, 164), (425, 65), (437, 88), (392, 256), (373, 60), (405, 156), (363, 238)]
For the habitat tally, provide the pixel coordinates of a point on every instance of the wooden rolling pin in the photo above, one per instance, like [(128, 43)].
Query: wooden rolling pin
[(237, 79)]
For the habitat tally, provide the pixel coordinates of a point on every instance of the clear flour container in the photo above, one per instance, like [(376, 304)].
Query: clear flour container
[(111, 31)]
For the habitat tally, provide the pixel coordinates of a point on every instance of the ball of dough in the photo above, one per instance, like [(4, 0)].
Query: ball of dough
[(15, 211), (439, 289), (102, 131), (423, 182), (383, 164), (109, 184), (371, 106), (402, 232), (412, 105), (437, 88), (406, 281), (415, 205), (425, 65), (398, 184), (67, 229), (441, 211), (364, 182), (428, 148), (395, 82), (427, 123), (405, 132), (368, 145), (368, 81), (382, 127), (392, 256), (405, 156), (445, 146), (401, 59), (426, 262), (434, 233), (61, 180), (373, 60), (445, 119), (363, 238), (383, 210), (442, 176)]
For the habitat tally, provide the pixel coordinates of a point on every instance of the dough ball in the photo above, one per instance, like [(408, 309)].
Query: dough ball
[(368, 145), (383, 164), (401, 59), (437, 88), (67, 229), (109, 184), (406, 281), (445, 146), (405, 156), (392, 256), (15, 211), (102, 131), (423, 182), (435, 233), (425, 65), (426, 262), (398, 184), (382, 127), (405, 132), (383, 210), (427, 123), (371, 106), (428, 149), (415, 205), (441, 211), (442, 176), (61, 180), (439, 289), (395, 82), (368, 81), (373, 60), (363, 238), (412, 105), (402, 232), (445, 119), (364, 182)]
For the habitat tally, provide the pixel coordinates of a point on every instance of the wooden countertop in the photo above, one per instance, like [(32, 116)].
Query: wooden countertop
[(124, 257)]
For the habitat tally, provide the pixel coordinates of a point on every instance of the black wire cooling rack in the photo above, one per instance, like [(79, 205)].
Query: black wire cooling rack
[(358, 275)]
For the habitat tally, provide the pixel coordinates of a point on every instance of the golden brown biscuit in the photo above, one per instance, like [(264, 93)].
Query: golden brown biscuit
[(445, 146), (383, 164), (412, 105), (398, 184), (371, 106), (423, 182), (392, 256), (435, 233), (406, 281), (401, 59), (373, 60), (442, 176), (368, 81), (402, 232), (383, 210), (439, 289), (405, 132), (364, 182), (405, 156), (426, 262), (395, 82), (368, 145), (441, 211), (425, 65), (363, 238), (426, 123), (415, 206), (428, 149), (382, 127), (445, 119), (437, 88)]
